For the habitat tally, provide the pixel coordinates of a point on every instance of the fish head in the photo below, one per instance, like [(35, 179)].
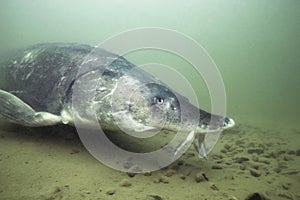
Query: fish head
[(143, 109)]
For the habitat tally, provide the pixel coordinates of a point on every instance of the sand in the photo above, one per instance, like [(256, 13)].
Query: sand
[(248, 162)]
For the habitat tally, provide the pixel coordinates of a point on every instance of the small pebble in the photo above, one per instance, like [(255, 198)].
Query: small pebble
[(74, 151), (255, 158), (188, 165), (257, 196), (287, 158), (286, 186), (182, 176), (214, 187), (154, 197), (223, 151), (239, 142), (270, 155), (204, 176), (163, 179), (251, 144), (217, 156), (281, 152), (125, 183), (277, 170), (199, 178), (255, 173), (293, 172), (180, 162), (227, 146), (170, 173), (175, 167), (263, 160), (130, 174), (291, 152), (298, 152), (216, 167), (242, 167), (241, 159), (253, 165), (147, 174), (111, 191), (256, 150), (233, 198), (282, 165), (57, 190)]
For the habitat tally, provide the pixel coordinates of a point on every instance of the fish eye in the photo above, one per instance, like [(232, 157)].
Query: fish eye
[(159, 100)]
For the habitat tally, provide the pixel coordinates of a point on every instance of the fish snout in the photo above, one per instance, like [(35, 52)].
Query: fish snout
[(228, 123)]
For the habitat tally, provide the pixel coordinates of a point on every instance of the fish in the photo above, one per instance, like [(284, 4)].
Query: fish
[(37, 86)]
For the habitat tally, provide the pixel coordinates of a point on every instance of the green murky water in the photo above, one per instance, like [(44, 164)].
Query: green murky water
[(254, 44)]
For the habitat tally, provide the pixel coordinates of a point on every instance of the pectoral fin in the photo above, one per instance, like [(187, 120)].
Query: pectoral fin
[(16, 111), (183, 144)]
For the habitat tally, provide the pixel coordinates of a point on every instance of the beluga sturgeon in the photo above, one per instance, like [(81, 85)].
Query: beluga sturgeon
[(37, 84)]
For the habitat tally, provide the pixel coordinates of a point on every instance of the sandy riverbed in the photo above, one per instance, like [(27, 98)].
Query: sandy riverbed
[(248, 162)]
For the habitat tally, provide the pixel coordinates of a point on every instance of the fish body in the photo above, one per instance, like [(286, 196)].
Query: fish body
[(37, 86)]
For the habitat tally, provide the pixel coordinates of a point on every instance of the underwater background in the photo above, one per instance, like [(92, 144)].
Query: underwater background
[(255, 45)]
